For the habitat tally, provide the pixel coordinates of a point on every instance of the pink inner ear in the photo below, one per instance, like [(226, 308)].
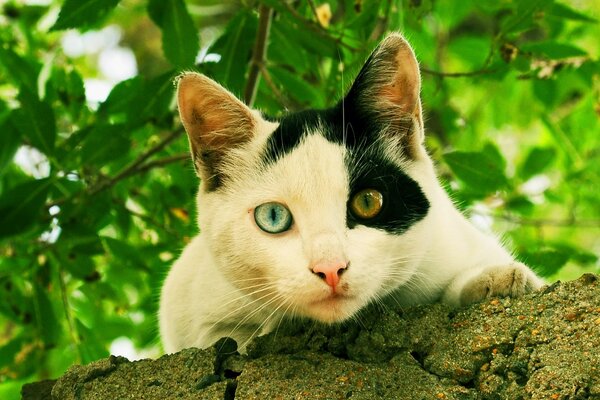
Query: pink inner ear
[(406, 84)]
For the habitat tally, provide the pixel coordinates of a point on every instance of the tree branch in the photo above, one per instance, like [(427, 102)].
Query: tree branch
[(315, 27), (136, 167), (259, 53), (161, 162), (557, 223), (287, 103), (132, 168)]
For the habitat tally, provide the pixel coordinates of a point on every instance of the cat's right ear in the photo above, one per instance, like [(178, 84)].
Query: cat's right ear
[(215, 121)]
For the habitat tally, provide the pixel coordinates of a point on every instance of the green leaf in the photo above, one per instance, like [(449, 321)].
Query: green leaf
[(153, 99), (523, 15), (545, 90), (480, 172), (91, 347), (134, 101), (547, 261), (21, 206), (520, 204), (235, 48), (538, 159), (83, 13), (70, 90), (121, 96), (11, 139), (287, 51), (126, 254), (553, 50), (472, 49), (21, 71), (9, 350), (323, 45), (46, 320), (492, 151), (35, 120), (559, 10), (179, 34), (298, 87), (106, 143)]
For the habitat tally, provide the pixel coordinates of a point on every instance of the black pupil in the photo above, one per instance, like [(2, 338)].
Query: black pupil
[(273, 214), (367, 201)]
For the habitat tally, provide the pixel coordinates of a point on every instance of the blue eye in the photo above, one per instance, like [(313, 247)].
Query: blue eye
[(273, 217)]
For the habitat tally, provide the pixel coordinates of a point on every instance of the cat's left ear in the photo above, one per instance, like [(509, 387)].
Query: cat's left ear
[(387, 90), (215, 121)]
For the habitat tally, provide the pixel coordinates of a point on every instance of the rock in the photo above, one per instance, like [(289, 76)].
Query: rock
[(541, 346)]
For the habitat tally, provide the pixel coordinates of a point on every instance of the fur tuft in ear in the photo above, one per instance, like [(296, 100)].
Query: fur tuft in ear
[(387, 89), (215, 121)]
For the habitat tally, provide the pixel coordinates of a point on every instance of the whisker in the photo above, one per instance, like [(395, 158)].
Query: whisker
[(254, 301), (263, 323), (252, 314)]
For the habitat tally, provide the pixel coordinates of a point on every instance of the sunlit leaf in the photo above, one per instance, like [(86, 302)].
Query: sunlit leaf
[(538, 159), (179, 34), (83, 13), (553, 50), (480, 172), (560, 10)]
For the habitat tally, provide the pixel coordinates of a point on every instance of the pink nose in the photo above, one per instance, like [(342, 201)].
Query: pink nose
[(330, 271)]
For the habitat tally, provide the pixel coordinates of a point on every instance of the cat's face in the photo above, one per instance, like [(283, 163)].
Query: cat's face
[(319, 213)]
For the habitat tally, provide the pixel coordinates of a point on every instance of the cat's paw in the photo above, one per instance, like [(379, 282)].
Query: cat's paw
[(497, 281)]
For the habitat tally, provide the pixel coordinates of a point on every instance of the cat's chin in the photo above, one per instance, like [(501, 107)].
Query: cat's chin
[(331, 309)]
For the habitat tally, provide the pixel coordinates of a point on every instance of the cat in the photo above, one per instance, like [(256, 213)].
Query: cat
[(321, 212)]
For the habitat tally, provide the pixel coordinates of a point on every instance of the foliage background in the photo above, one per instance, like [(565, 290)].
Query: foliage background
[(96, 190)]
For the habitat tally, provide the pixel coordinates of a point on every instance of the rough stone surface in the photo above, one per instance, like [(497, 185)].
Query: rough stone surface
[(541, 346)]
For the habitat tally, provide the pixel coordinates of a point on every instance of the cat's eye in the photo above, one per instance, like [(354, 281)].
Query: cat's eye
[(273, 217), (366, 204)]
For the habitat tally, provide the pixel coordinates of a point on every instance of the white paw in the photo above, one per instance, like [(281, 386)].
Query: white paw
[(498, 281)]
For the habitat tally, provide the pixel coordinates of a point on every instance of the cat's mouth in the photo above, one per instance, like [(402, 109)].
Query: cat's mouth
[(333, 301), (334, 307)]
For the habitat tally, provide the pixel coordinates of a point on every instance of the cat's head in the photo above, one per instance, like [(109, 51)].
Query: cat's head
[(320, 212)]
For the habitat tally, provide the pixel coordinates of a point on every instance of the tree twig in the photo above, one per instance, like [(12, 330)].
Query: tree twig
[(442, 74), (259, 53), (313, 7)]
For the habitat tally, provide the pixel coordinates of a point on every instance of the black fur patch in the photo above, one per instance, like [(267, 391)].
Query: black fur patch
[(404, 201)]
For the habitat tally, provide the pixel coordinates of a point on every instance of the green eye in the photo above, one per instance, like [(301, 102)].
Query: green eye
[(273, 217), (366, 204)]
